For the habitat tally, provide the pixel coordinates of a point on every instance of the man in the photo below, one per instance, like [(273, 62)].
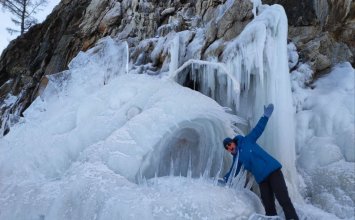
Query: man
[(265, 168)]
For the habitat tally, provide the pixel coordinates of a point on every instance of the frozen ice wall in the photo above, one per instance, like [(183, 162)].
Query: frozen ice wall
[(254, 72), (325, 138), (259, 59), (95, 132)]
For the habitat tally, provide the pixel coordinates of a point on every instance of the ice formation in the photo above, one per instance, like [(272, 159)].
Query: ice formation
[(258, 64), (94, 133), (103, 143)]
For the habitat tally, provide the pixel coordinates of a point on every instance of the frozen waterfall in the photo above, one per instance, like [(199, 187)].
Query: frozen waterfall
[(253, 73), (95, 132), (103, 143)]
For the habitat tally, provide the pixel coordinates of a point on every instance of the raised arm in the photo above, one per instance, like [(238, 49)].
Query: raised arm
[(260, 126)]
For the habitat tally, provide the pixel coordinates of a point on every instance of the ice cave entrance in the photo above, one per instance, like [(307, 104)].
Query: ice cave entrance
[(189, 150)]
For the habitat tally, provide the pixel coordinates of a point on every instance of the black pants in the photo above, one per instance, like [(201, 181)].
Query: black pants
[(275, 185)]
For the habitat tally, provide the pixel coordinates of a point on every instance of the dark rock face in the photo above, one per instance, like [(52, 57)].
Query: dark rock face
[(45, 49), (299, 13), (322, 30)]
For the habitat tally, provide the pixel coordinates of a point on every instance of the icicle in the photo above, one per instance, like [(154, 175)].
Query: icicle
[(203, 80), (239, 181), (171, 167), (193, 75), (234, 170), (250, 182), (174, 54), (206, 173), (139, 177), (127, 57), (216, 178), (221, 66), (229, 92), (155, 178), (212, 82), (144, 181), (256, 4), (189, 169)]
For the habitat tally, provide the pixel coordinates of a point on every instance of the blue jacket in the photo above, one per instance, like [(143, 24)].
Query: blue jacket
[(252, 156)]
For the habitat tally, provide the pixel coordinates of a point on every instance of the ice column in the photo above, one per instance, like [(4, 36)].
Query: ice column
[(258, 58), (174, 54)]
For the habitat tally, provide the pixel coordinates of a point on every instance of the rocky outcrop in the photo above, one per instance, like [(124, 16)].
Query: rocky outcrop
[(45, 49), (322, 31)]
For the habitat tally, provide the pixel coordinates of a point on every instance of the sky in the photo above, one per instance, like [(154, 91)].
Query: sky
[(5, 18)]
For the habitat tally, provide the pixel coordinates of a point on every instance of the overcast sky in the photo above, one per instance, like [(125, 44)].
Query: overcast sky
[(5, 18)]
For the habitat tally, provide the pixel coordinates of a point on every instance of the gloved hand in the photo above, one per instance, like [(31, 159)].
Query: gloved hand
[(268, 110)]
